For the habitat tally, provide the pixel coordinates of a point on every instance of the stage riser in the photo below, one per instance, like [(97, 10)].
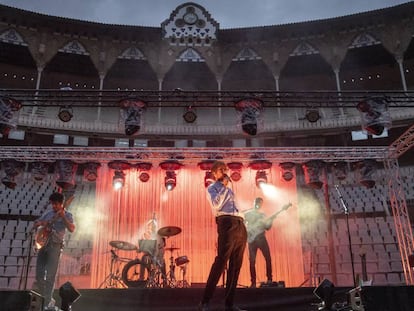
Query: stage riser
[(375, 298)]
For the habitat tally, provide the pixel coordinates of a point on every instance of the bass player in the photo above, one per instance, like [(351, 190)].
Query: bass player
[(257, 224), (50, 232)]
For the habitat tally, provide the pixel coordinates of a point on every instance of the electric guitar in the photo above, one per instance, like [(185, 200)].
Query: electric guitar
[(43, 233), (253, 230)]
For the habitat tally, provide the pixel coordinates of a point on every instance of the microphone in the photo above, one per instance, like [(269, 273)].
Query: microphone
[(225, 176)]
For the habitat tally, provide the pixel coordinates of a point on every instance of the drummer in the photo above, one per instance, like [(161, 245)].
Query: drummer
[(155, 256)]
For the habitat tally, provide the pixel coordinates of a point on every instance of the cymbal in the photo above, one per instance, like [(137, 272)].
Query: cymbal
[(171, 248), (126, 246), (169, 231)]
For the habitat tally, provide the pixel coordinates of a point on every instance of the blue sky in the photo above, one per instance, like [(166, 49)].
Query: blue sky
[(229, 13)]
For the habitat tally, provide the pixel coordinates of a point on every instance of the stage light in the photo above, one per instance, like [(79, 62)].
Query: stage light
[(312, 115), (39, 170), (355, 299), (366, 172), (65, 114), (375, 116), (325, 292), (118, 180), (250, 109), (287, 170), (312, 171), (261, 178), (8, 107), (208, 179), (66, 171), (170, 166), (90, 171), (190, 115), (132, 110), (144, 177), (12, 170), (170, 180), (236, 168), (143, 167), (340, 170), (68, 295), (119, 167)]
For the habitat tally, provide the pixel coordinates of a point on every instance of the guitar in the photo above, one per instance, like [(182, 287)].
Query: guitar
[(43, 233), (253, 230)]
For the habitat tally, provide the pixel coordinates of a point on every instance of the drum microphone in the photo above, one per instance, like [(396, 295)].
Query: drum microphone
[(113, 253)]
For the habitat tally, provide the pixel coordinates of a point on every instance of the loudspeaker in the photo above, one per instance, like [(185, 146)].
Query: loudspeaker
[(21, 301), (69, 295)]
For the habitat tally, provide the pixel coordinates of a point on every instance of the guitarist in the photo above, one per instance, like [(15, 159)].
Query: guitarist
[(52, 224), (257, 225)]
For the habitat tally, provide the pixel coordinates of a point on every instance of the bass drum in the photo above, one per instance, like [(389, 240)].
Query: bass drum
[(131, 274)]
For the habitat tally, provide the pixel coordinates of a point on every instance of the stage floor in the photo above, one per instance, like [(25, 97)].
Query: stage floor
[(374, 298)]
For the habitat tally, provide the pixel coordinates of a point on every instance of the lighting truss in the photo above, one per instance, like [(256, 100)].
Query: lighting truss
[(209, 99)]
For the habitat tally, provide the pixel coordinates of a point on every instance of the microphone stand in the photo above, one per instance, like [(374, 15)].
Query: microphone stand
[(346, 211)]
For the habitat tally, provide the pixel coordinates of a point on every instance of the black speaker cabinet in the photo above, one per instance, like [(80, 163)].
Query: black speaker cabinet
[(21, 300)]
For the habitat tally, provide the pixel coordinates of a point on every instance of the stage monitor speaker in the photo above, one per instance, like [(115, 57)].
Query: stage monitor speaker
[(198, 285), (21, 301)]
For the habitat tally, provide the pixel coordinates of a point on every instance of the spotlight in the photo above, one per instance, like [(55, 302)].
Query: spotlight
[(170, 180), (312, 170), (374, 114), (65, 114), (39, 170), (118, 180), (170, 167), (287, 171), (312, 115), (340, 170), (66, 170), (68, 295), (250, 109), (132, 110), (208, 179), (7, 108), (12, 169), (119, 167), (261, 178), (366, 172), (90, 171), (143, 167), (236, 170), (144, 177), (325, 292), (190, 115)]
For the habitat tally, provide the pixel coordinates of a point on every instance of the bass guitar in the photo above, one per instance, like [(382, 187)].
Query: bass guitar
[(43, 233), (253, 230)]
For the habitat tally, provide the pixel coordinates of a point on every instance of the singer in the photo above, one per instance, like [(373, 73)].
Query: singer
[(51, 228), (232, 238)]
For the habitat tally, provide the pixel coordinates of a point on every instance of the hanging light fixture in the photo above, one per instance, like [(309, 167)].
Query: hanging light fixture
[(8, 107), (170, 166), (235, 168), (143, 169), (340, 170), (190, 115), (90, 171), (250, 109), (375, 116), (260, 166), (206, 165), (65, 114), (312, 171), (12, 170), (287, 170), (132, 110), (39, 170), (366, 170), (118, 180), (66, 171), (312, 115)]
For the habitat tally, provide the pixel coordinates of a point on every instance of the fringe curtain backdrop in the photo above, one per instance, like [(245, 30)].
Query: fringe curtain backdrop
[(121, 215)]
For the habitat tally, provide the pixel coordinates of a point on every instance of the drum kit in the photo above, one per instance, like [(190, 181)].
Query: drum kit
[(149, 270)]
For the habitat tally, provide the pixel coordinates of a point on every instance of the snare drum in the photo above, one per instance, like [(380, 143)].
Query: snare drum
[(182, 260)]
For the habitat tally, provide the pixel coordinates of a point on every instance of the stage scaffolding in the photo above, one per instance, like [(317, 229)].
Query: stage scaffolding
[(191, 156)]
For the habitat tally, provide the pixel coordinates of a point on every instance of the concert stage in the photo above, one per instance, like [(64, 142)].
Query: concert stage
[(375, 298)]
